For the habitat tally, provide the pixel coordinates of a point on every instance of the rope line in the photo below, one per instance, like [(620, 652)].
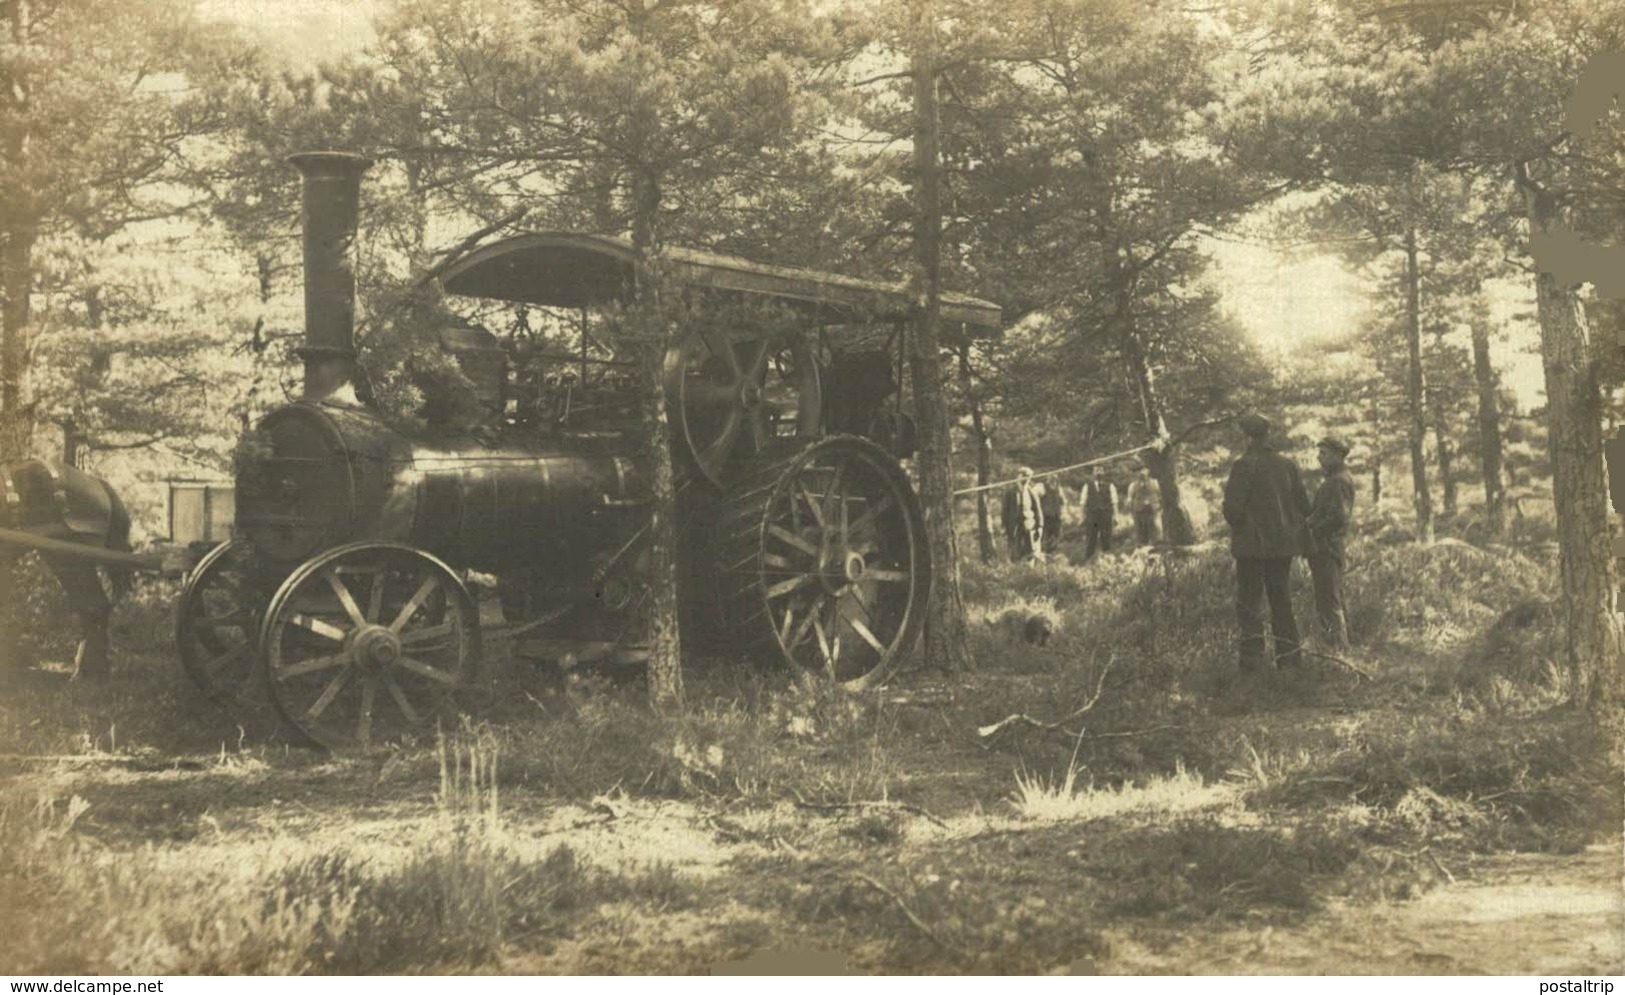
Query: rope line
[(1157, 444)]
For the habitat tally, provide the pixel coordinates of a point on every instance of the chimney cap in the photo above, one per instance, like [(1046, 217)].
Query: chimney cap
[(329, 162)]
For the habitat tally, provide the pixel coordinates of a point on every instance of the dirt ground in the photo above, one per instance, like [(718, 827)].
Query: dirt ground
[(743, 874), (1524, 914), (1330, 822)]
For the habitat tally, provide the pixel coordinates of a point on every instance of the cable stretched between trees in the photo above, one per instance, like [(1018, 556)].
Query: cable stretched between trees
[(1157, 444)]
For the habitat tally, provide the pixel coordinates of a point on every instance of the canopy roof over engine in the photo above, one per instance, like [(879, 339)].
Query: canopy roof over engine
[(571, 269)]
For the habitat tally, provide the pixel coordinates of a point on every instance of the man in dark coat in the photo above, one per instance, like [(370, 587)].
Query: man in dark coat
[(1144, 502), (1053, 504), (1099, 515), (1265, 504), (1328, 526), (1023, 518)]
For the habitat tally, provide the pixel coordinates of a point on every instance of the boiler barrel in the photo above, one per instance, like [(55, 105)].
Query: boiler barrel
[(320, 475), (507, 508)]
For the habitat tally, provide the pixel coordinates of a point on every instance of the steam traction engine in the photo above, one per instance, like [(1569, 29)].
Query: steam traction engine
[(344, 596)]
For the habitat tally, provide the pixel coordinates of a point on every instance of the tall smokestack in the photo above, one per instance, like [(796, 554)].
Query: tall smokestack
[(330, 207)]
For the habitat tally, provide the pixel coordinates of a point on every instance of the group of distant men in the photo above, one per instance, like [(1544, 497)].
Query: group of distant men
[(1034, 511), (1272, 521)]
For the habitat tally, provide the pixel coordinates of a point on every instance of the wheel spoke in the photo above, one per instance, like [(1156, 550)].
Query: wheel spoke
[(823, 645), (857, 598), (879, 509), (865, 634), (325, 629), (813, 504), (834, 494), (427, 633), (369, 694), (394, 688), (775, 560), (758, 360), (759, 433), (790, 538), (311, 665), (417, 666), (784, 587), (345, 598), (711, 394), (726, 353), (784, 628), (411, 607), (802, 629), (375, 597), (722, 446), (889, 576), (329, 693)]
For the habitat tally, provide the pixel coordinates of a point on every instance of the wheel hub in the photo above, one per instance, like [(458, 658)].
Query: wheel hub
[(845, 567), (750, 396), (375, 647)]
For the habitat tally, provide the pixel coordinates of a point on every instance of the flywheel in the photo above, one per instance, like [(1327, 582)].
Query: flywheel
[(823, 561), (735, 398)]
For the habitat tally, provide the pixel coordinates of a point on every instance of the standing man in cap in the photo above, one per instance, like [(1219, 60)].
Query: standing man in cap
[(1144, 503), (1052, 502), (1328, 526), (1023, 519), (1099, 515), (1265, 504)]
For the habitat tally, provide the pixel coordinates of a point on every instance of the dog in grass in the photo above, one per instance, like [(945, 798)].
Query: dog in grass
[(1035, 628)]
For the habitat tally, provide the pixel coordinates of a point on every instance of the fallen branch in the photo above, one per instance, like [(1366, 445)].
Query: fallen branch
[(1129, 733), (989, 731), (143, 764), (1440, 865), (837, 806), (1340, 662), (916, 920)]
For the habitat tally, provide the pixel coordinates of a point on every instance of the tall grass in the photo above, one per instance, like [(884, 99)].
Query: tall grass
[(450, 894)]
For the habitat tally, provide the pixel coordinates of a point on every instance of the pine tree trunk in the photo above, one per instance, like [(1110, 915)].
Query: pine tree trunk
[(16, 284), (946, 636), (665, 668), (1574, 413), (1489, 430), (1164, 465), (1415, 392), (984, 475), (1376, 481), (1447, 456), (984, 459), (1440, 401)]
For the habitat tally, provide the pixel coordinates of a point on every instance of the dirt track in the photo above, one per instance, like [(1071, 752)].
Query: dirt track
[(1518, 915)]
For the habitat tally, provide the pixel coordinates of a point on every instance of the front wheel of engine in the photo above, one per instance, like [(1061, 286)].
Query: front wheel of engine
[(368, 642)]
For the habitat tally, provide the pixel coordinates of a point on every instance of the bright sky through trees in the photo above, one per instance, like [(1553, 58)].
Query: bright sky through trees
[(1283, 301)]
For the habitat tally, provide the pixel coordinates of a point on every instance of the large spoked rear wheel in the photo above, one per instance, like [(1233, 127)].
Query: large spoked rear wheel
[(216, 628), (367, 642), (824, 561)]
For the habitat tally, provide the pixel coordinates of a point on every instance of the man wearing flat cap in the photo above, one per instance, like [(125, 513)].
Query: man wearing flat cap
[(1265, 504), (1328, 527)]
